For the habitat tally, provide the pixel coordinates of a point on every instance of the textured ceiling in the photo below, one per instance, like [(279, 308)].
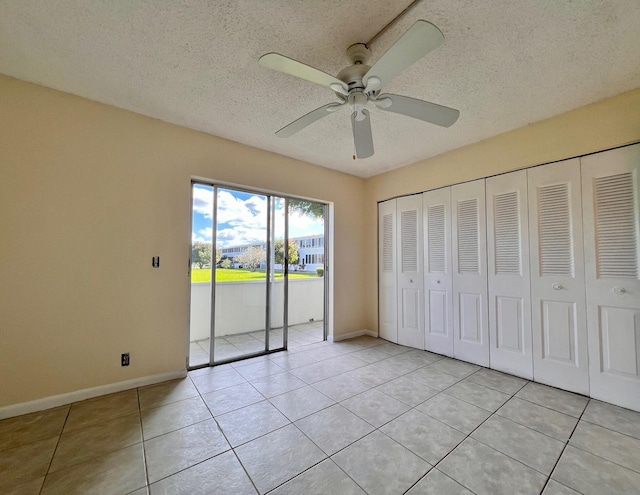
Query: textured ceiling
[(504, 64)]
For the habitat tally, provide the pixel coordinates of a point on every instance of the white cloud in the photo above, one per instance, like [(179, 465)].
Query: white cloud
[(245, 221), (195, 238), (203, 201), (303, 225), (206, 233), (239, 236)]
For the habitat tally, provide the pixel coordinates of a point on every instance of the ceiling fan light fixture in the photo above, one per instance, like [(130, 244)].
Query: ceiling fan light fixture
[(373, 83), (357, 102), (338, 88), (383, 103)]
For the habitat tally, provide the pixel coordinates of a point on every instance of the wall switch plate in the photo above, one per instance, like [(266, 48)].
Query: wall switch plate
[(155, 262), (125, 359)]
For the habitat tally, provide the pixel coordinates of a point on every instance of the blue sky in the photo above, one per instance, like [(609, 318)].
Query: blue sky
[(242, 218)]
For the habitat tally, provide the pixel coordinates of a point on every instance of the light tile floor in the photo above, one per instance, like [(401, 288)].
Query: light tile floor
[(353, 417), (235, 346)]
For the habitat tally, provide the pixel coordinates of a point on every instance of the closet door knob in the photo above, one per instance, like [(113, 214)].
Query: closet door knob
[(437, 281), (557, 286), (618, 290)]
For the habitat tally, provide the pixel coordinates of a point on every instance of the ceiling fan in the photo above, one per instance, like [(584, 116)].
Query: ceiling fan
[(359, 84)]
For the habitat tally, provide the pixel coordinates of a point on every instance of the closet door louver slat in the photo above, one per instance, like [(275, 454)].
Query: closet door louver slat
[(436, 236), (468, 241), (409, 241), (616, 236), (554, 228), (387, 243), (506, 213)]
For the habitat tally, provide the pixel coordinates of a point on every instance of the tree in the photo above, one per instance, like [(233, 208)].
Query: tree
[(279, 252), (226, 263), (252, 257), (201, 253), (218, 256), (310, 208)]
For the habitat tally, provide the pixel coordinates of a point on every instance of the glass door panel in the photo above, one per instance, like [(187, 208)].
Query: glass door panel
[(201, 274), (278, 275), (307, 282), (240, 292)]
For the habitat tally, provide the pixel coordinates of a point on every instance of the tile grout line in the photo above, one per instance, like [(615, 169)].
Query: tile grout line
[(551, 408), (605, 459), (327, 457), (609, 429), (144, 446), (231, 448), (469, 436), (46, 474), (565, 447), (378, 429)]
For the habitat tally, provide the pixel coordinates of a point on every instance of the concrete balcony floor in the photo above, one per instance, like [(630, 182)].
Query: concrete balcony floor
[(238, 345)]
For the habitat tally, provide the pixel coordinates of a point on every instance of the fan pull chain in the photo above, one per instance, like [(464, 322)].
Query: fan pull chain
[(354, 150)]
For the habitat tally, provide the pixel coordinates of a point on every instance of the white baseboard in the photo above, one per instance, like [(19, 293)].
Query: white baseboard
[(351, 335), (86, 393)]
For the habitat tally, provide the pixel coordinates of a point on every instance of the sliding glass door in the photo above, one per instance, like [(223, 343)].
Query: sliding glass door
[(242, 253), (243, 224)]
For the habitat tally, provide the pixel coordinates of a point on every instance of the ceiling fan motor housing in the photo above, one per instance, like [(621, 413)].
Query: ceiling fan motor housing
[(352, 76), (358, 53)]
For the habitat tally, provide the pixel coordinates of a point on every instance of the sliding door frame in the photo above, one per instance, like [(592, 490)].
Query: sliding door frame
[(270, 265)]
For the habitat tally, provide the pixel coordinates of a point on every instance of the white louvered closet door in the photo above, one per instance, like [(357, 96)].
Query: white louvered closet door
[(508, 274), (469, 250), (438, 280), (610, 190), (387, 283), (410, 271), (559, 323)]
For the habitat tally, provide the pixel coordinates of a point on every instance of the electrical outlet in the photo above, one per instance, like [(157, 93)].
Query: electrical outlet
[(125, 359)]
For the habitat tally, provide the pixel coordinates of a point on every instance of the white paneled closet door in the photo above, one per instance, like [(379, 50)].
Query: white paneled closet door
[(438, 280), (559, 323), (410, 271), (387, 276), (610, 190), (508, 274), (469, 257)]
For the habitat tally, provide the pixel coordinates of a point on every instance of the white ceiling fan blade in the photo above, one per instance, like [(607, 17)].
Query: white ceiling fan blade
[(362, 136), (419, 40), (308, 119), (292, 67), (418, 109)]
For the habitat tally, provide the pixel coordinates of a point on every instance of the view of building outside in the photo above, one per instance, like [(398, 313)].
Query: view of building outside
[(310, 253)]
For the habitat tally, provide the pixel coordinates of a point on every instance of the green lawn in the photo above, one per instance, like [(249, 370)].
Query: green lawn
[(236, 274)]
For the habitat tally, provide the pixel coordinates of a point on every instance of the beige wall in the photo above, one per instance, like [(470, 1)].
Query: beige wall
[(605, 124), (88, 194)]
